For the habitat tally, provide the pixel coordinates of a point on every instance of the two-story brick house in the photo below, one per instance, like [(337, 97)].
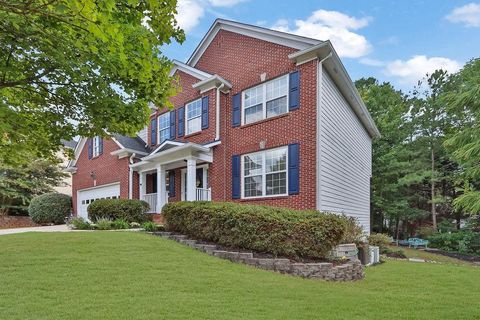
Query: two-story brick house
[(263, 117)]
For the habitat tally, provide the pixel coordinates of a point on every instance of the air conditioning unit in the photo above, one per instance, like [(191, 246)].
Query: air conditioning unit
[(374, 255)]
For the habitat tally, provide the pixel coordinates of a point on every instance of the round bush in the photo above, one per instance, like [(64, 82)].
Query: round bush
[(50, 208)]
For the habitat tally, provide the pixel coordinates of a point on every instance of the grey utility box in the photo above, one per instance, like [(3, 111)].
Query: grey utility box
[(348, 251)]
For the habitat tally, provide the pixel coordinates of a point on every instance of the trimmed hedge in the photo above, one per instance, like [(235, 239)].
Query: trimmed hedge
[(130, 210), (279, 231), (50, 208)]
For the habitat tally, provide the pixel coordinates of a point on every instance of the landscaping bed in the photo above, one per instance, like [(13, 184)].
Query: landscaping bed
[(456, 255), (343, 270), (8, 222)]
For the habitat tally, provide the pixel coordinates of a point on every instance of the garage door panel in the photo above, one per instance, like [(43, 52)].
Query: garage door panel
[(86, 197)]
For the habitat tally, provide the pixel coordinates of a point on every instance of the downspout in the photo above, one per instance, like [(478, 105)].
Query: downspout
[(318, 151), (217, 112), (130, 177)]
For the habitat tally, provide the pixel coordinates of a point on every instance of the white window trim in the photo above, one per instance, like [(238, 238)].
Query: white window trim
[(166, 114), (264, 175), (264, 99), (186, 116), (95, 146)]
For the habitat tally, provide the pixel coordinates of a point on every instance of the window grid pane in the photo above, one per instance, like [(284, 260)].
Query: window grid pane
[(276, 107), (276, 183), (253, 114), (276, 88), (194, 113), (253, 96), (164, 121), (253, 186)]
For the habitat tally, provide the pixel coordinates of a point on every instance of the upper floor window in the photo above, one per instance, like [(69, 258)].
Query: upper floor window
[(163, 127), (96, 141), (265, 173), (194, 116), (266, 100)]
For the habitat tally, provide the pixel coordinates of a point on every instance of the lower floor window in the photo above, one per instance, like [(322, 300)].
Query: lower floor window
[(265, 173)]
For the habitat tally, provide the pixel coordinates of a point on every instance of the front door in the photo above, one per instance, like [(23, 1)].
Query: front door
[(201, 180)]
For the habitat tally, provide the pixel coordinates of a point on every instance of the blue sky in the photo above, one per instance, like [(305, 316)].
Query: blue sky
[(396, 41)]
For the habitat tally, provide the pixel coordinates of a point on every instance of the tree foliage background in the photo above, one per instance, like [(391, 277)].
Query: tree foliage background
[(80, 68), (426, 165)]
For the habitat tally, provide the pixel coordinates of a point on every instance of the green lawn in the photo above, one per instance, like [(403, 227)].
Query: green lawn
[(121, 275)]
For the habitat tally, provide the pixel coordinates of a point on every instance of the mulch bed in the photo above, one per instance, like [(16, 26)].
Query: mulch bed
[(9, 222), (456, 255)]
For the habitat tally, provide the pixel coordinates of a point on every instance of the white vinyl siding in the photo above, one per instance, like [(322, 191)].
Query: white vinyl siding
[(345, 150), (193, 114), (163, 127), (143, 133), (264, 101)]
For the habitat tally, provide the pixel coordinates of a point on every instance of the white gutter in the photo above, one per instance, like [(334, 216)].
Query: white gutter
[(130, 177), (217, 115)]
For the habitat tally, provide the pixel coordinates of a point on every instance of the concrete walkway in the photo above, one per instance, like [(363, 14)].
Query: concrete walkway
[(59, 228)]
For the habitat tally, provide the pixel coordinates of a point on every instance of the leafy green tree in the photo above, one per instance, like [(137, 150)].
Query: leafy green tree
[(463, 101), (395, 165), (80, 67), (20, 183)]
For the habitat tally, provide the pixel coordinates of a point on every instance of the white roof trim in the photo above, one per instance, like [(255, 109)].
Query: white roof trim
[(164, 143), (188, 145), (278, 37), (128, 150), (199, 74), (341, 78), (212, 82)]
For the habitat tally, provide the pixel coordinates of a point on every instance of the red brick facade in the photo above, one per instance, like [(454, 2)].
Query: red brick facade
[(240, 60)]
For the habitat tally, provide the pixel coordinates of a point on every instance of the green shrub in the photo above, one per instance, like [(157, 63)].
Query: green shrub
[(120, 224), (354, 232), (462, 241), (103, 224), (425, 231), (380, 240), (130, 210), (78, 223), (150, 226), (279, 231), (50, 208)]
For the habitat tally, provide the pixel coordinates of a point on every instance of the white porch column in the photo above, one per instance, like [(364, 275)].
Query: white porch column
[(161, 192), (143, 184), (191, 179)]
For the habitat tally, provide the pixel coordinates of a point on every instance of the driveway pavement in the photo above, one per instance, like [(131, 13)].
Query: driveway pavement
[(59, 228)]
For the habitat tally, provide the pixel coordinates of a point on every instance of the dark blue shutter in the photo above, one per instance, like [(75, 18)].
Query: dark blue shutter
[(100, 145), (205, 112), (90, 148), (171, 187), (294, 91), (153, 131), (236, 109), (181, 121), (235, 177), (172, 125), (293, 168)]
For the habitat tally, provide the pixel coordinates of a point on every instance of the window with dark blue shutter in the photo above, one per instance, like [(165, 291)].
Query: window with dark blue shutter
[(236, 109), (100, 145), (205, 112), (173, 129), (171, 181), (236, 177), (294, 91), (90, 148), (153, 131), (181, 121), (293, 168)]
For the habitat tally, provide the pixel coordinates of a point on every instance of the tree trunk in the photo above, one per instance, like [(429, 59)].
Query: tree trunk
[(434, 213), (397, 229)]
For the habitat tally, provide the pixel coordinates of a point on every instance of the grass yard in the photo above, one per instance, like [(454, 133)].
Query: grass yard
[(122, 275)]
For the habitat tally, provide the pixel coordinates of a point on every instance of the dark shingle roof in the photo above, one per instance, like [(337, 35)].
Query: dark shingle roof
[(69, 144), (135, 143)]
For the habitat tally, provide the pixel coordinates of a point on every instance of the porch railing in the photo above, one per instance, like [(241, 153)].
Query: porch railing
[(201, 194), (151, 199)]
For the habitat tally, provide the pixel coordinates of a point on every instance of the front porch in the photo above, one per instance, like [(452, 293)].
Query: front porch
[(175, 171)]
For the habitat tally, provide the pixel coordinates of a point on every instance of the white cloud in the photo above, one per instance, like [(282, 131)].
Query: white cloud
[(372, 62), (468, 14), (414, 69), (189, 14), (334, 26), (225, 3)]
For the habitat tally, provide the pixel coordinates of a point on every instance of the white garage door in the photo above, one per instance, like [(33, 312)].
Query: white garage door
[(87, 196)]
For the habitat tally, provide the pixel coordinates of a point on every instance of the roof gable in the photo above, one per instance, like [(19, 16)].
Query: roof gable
[(199, 74), (278, 37)]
